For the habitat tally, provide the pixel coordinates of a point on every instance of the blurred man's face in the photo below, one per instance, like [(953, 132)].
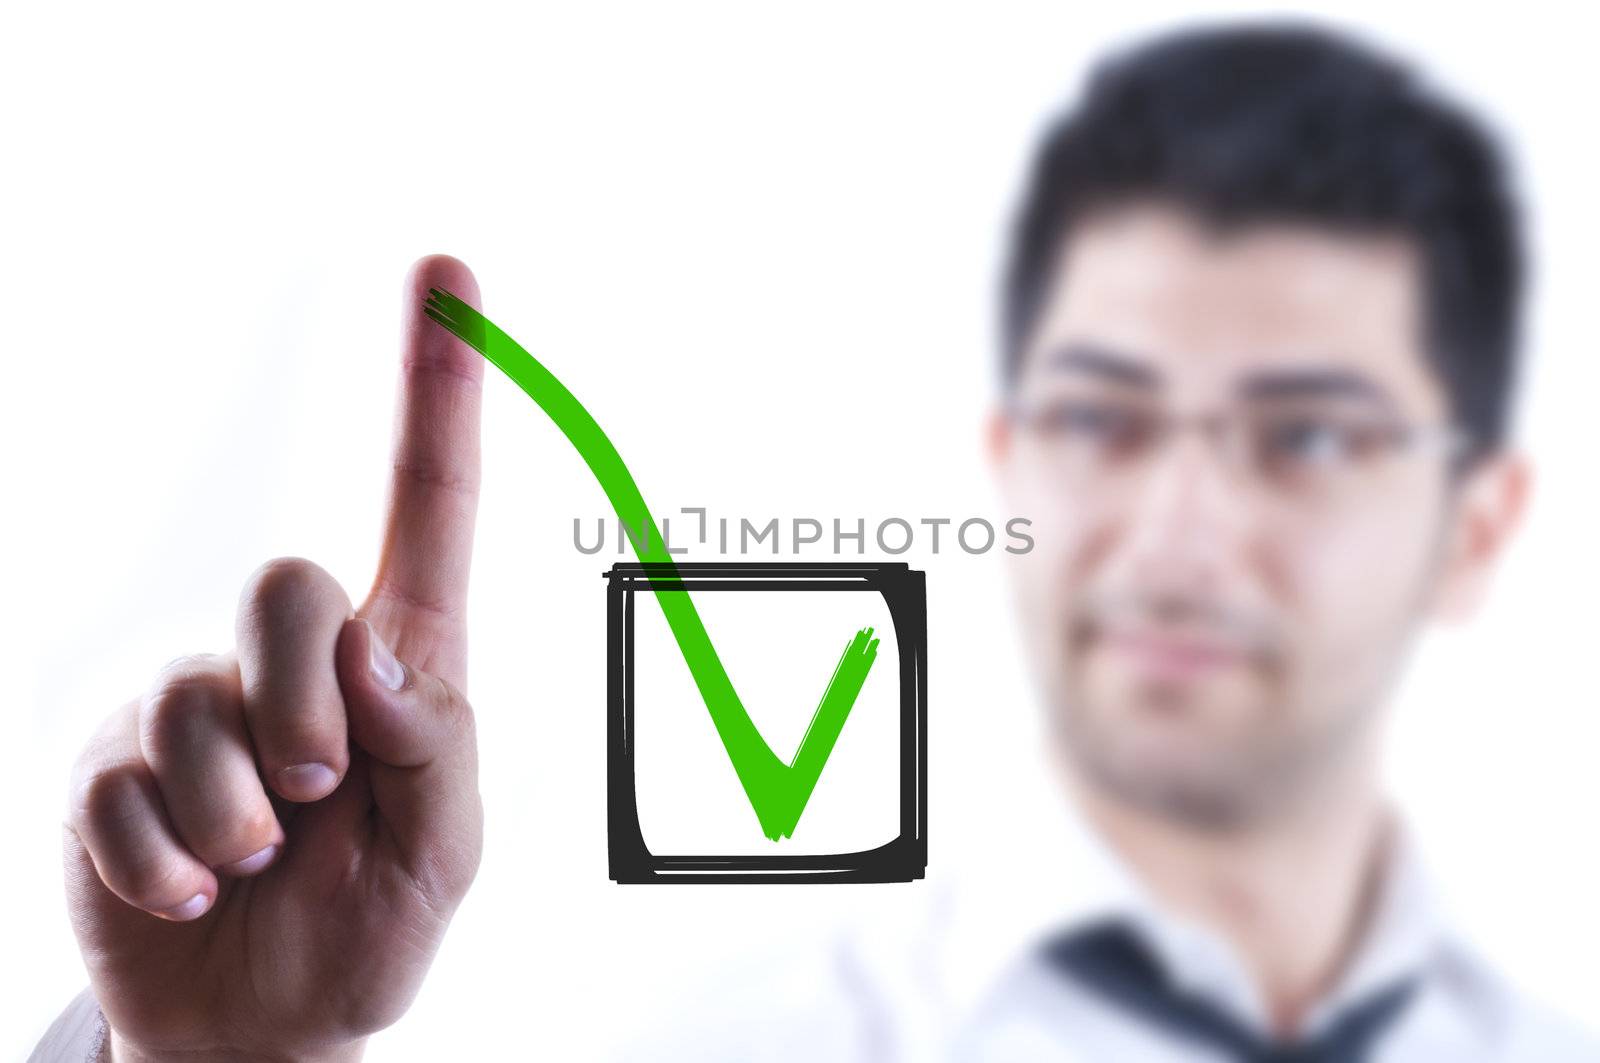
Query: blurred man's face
[(1215, 607)]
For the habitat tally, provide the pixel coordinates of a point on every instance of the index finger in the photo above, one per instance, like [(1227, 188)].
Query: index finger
[(433, 495)]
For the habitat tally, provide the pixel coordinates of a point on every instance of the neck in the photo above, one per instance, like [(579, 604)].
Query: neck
[(1291, 893)]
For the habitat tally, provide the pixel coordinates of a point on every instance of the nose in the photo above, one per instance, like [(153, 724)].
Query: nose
[(1186, 524)]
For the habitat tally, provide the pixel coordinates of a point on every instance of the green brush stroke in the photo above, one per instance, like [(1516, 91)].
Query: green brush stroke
[(778, 792)]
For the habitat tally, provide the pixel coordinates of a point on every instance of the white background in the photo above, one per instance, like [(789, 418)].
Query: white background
[(795, 216)]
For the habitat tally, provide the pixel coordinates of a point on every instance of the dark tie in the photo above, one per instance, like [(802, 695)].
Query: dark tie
[(1110, 959)]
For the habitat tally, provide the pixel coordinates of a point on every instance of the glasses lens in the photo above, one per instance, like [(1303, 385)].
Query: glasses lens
[(1317, 450), (1096, 435)]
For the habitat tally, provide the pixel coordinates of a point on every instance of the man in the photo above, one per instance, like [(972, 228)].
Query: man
[(1260, 319)]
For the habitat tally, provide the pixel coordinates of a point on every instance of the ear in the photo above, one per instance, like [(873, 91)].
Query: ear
[(997, 440), (1487, 511)]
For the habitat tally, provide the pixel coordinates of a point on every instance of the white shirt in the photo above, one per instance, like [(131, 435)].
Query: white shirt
[(959, 980), (963, 981)]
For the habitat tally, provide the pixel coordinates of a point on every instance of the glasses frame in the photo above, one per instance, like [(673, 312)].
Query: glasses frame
[(1225, 430)]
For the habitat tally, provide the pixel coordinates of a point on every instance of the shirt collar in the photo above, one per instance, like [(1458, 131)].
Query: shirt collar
[(1066, 877)]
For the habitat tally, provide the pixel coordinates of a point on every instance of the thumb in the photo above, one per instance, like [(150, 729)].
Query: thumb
[(418, 731)]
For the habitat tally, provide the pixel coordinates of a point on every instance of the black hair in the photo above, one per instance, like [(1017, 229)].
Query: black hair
[(1288, 121)]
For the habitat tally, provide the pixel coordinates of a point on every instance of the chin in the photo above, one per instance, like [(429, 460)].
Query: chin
[(1179, 785), (1174, 755)]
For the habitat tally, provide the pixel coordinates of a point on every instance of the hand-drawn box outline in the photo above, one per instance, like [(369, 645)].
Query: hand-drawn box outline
[(904, 589)]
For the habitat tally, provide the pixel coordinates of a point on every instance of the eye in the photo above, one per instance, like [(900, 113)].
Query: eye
[(1304, 440), (1313, 442), (1110, 427)]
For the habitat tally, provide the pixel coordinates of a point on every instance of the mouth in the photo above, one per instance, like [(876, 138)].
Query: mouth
[(1172, 656)]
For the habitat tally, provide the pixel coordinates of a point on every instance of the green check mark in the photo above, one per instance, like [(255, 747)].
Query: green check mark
[(778, 792)]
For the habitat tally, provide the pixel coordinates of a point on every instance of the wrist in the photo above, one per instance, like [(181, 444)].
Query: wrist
[(119, 1050)]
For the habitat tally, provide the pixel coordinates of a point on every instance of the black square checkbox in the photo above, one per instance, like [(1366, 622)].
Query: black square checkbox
[(904, 593)]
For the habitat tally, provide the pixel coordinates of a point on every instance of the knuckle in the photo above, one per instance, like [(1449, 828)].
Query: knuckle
[(285, 584), (315, 734), (109, 817), (181, 700), (455, 713), (442, 610), (256, 827), (188, 664), (440, 475), (114, 743), (149, 881), (225, 840), (105, 798)]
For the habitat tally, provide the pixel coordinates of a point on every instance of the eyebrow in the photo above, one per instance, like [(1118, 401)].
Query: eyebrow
[(1264, 385), (1314, 384), (1106, 364)]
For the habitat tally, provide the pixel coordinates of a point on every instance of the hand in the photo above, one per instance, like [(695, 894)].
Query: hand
[(263, 852)]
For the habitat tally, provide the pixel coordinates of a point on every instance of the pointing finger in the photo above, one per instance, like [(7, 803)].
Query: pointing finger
[(421, 584)]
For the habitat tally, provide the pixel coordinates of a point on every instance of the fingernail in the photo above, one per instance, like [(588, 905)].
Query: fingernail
[(188, 910), (306, 782), (252, 863), (386, 669)]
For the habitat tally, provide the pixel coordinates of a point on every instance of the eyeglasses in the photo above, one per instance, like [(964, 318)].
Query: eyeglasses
[(1312, 453)]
